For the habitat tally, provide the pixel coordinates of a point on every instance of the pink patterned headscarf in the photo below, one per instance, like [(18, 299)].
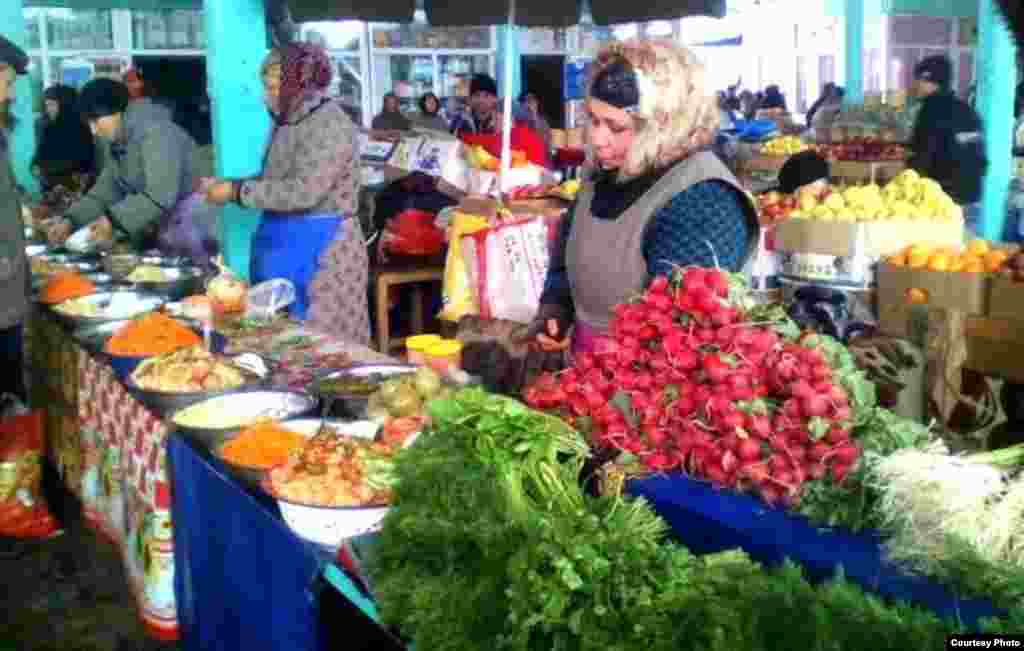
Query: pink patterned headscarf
[(306, 71)]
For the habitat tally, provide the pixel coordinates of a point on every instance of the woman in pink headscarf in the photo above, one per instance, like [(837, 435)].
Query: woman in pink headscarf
[(308, 193)]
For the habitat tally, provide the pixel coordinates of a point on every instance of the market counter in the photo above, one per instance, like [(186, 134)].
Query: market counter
[(110, 450)]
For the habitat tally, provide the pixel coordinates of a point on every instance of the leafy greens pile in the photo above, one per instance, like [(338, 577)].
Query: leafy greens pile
[(492, 544)]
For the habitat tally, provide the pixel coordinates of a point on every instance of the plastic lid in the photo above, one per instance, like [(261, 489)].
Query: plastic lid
[(445, 348), (422, 342)]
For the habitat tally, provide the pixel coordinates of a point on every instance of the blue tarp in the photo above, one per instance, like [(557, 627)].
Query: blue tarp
[(708, 520)]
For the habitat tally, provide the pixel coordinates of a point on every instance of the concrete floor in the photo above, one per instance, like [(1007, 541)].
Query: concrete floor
[(68, 593)]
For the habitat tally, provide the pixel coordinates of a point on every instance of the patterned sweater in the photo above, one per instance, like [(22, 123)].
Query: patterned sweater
[(708, 215)]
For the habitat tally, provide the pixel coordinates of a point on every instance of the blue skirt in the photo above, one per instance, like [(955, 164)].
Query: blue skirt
[(289, 246)]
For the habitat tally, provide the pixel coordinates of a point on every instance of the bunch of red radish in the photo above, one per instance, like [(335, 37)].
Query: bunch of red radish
[(683, 382)]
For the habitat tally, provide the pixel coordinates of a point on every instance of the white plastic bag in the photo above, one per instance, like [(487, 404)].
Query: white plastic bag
[(267, 298), (509, 265)]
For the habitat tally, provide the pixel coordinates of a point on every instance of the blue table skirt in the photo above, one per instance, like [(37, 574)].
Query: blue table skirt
[(707, 520), (243, 580)]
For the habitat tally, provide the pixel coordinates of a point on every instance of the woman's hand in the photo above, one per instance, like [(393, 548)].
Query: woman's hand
[(220, 192), (101, 230), (58, 231)]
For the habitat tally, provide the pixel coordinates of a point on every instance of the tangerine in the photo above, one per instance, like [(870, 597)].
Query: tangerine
[(916, 296), (939, 262), (974, 265), (957, 263), (917, 260), (978, 247), (995, 258)]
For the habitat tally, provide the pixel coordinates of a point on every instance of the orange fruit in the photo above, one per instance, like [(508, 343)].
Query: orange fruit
[(919, 250), (917, 260), (974, 265), (978, 247), (995, 258), (898, 260), (938, 262), (956, 263), (916, 296)]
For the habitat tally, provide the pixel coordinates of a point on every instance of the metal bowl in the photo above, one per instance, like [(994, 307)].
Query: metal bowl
[(166, 402), (32, 250), (179, 282), (94, 339), (113, 306), (354, 405), (245, 407)]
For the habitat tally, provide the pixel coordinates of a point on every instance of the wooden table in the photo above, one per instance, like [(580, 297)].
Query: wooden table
[(387, 275)]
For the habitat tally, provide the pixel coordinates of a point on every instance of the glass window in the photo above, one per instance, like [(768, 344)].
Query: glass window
[(426, 37), (659, 29), (405, 75), (35, 79), (78, 70), (543, 40), (73, 29), (348, 86), (345, 35), (456, 71), (168, 29), (32, 28)]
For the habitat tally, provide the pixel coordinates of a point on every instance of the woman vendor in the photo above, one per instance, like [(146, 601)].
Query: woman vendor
[(150, 165), (657, 198), (308, 192), (66, 153)]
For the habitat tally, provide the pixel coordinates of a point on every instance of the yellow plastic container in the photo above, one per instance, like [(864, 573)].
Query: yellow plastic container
[(416, 347), (445, 356)]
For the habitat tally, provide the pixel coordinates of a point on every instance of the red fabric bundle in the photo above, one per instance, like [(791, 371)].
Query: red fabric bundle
[(413, 232), (524, 139), (23, 509)]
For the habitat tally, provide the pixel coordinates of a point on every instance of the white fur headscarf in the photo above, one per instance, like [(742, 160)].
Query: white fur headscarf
[(662, 85)]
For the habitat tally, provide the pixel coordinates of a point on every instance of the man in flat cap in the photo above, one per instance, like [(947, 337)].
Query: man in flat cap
[(14, 271)]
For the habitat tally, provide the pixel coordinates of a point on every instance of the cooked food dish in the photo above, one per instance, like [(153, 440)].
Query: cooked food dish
[(262, 446), (147, 274), (187, 370), (336, 470), (152, 334)]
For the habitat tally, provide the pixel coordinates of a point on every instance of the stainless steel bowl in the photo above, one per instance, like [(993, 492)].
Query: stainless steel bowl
[(168, 402), (245, 407), (354, 405), (179, 282), (112, 306)]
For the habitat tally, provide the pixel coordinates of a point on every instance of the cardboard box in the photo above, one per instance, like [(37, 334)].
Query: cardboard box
[(966, 292), (1006, 300), (881, 238), (851, 171), (996, 347)]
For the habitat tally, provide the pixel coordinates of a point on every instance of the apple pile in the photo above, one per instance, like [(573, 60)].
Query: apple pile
[(775, 206), (686, 380), (1013, 267), (862, 149)]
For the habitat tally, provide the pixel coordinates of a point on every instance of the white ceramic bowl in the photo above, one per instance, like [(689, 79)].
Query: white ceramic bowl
[(329, 526)]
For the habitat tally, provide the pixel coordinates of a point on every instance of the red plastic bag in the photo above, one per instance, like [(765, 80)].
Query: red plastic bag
[(23, 509), (413, 232)]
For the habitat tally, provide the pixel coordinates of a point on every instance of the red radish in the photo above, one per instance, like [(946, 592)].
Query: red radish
[(777, 464), (842, 413), (749, 450), (729, 461), (686, 359), (759, 427), (693, 278), (844, 455), (716, 475), (815, 406), (658, 285), (839, 473), (818, 451), (770, 495), (757, 472), (816, 471), (716, 368), (801, 389), (837, 436), (733, 421)]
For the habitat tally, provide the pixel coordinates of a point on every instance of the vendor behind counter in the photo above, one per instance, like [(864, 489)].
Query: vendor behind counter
[(151, 164)]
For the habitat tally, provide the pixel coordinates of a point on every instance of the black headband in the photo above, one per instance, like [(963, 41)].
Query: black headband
[(616, 84)]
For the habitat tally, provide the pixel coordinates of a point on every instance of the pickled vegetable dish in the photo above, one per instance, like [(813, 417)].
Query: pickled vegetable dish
[(262, 446), (335, 470)]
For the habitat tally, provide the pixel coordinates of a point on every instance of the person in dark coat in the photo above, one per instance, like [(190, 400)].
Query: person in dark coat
[(151, 164), (15, 279), (947, 143), (66, 151), (773, 98)]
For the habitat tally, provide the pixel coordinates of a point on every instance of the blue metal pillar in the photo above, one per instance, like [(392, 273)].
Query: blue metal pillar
[(508, 46), (237, 41), (854, 17), (12, 26), (997, 79)]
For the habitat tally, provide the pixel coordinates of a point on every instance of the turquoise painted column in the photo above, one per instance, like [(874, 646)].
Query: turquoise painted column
[(508, 45), (12, 26), (236, 42), (997, 77), (854, 17)]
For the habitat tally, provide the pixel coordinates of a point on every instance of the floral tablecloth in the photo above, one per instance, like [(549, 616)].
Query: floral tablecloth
[(117, 464)]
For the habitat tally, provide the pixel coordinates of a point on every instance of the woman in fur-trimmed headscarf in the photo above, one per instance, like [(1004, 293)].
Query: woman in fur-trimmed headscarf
[(308, 192), (656, 197)]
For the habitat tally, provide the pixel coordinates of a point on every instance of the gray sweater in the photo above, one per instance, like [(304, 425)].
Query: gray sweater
[(15, 279), (149, 166)]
